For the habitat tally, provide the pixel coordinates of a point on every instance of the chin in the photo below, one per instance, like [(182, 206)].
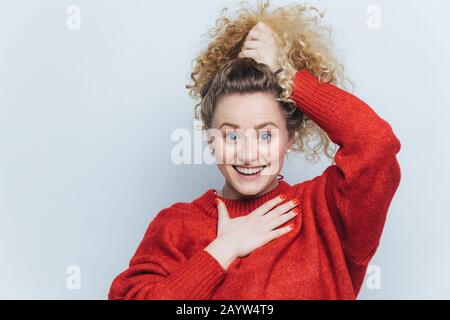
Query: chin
[(248, 190), (249, 185)]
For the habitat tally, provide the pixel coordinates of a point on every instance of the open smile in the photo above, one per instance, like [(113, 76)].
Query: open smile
[(249, 171)]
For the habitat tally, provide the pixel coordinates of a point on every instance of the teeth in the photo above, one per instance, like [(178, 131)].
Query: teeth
[(249, 170)]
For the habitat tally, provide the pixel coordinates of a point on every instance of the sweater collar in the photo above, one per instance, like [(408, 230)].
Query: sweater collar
[(239, 207)]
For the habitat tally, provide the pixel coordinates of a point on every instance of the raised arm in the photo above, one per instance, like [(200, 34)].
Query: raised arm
[(160, 271), (366, 174)]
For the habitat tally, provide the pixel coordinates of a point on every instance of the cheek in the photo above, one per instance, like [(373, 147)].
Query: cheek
[(224, 152), (275, 152), (276, 148)]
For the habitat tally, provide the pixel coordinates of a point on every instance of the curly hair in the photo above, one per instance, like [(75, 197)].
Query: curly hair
[(303, 44)]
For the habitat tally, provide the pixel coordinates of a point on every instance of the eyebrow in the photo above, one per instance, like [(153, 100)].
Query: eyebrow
[(256, 127)]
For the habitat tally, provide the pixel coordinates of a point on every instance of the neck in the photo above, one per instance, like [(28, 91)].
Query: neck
[(228, 192)]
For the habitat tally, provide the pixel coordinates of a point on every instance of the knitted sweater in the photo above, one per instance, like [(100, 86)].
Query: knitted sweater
[(325, 256)]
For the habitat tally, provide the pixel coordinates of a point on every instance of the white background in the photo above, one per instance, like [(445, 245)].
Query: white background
[(86, 117)]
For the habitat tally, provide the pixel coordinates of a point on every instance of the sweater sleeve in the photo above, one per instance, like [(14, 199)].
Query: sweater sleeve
[(361, 184), (161, 270)]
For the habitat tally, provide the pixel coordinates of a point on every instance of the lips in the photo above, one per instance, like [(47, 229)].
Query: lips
[(249, 171)]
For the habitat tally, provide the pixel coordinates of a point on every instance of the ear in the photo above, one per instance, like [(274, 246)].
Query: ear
[(209, 141), (212, 135), (208, 136)]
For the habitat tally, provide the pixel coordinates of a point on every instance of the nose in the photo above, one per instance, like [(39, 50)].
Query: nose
[(249, 151)]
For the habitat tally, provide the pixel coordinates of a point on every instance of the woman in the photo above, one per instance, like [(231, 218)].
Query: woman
[(259, 237)]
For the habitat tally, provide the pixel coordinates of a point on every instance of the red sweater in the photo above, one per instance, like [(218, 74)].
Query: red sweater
[(337, 232)]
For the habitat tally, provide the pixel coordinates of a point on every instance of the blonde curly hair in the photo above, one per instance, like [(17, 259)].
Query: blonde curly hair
[(303, 45)]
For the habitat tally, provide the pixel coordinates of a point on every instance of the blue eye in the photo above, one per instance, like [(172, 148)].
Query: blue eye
[(265, 136), (232, 136)]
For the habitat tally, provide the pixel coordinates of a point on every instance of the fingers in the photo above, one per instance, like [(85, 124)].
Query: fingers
[(281, 209), (249, 53), (251, 44), (259, 37), (262, 26), (259, 31), (268, 205), (222, 210), (254, 34), (279, 232), (278, 221)]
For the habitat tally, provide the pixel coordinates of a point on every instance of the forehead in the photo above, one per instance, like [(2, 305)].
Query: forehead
[(248, 110)]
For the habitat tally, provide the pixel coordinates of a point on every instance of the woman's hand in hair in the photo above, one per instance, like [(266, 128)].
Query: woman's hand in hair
[(261, 46)]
